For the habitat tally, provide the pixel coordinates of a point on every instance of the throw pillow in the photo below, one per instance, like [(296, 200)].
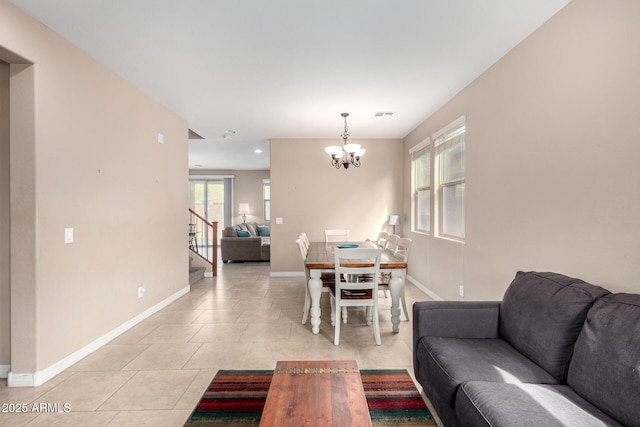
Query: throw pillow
[(252, 228), (243, 233), (264, 230)]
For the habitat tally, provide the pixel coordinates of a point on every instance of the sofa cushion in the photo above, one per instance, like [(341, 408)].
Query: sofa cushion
[(445, 363), (252, 227), (497, 404), (264, 231), (542, 314), (605, 368), (243, 233)]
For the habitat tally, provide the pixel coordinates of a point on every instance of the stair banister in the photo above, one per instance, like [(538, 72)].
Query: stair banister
[(203, 239)]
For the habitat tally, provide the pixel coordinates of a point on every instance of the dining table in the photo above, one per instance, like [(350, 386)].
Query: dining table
[(320, 259)]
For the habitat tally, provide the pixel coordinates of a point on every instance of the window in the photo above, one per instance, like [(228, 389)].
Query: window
[(421, 186), (450, 179), (266, 197)]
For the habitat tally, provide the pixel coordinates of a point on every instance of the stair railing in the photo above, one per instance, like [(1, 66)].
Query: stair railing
[(203, 239)]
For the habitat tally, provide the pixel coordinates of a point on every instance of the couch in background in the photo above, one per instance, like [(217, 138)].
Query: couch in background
[(246, 242), (556, 351)]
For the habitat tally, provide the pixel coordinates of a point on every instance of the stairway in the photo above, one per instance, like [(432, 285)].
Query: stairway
[(195, 273), (203, 242)]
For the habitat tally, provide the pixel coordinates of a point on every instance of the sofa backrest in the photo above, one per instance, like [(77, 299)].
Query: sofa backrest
[(542, 314), (229, 232), (251, 227), (605, 367)]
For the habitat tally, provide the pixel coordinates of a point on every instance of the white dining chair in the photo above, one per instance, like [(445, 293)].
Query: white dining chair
[(392, 242), (336, 235), (402, 251), (382, 239), (305, 240), (356, 291)]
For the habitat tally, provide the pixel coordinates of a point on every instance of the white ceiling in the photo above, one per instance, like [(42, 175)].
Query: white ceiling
[(288, 68)]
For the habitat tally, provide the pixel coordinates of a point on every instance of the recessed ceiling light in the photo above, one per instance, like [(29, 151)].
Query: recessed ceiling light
[(257, 150)]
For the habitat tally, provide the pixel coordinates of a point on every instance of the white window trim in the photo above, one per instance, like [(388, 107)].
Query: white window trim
[(265, 200), (448, 128), (426, 143), (437, 186)]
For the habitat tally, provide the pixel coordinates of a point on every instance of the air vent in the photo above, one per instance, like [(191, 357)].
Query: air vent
[(384, 114)]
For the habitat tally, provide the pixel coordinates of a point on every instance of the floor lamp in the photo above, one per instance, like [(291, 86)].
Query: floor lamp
[(394, 220)]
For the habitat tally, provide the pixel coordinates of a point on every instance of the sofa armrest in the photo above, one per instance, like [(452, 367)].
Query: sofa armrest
[(456, 319), (453, 319)]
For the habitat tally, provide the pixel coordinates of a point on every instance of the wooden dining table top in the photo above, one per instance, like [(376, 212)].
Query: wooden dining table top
[(321, 256)]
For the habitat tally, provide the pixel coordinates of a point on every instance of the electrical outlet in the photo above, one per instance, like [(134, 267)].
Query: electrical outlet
[(141, 291), (462, 291)]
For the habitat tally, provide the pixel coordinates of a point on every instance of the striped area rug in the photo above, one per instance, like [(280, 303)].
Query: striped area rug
[(236, 398)]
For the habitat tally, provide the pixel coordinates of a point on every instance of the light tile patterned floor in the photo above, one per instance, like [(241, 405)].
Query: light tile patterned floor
[(155, 373)]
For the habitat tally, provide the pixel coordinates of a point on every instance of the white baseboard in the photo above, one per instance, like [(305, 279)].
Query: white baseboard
[(34, 379), (424, 289), (4, 370), (286, 274)]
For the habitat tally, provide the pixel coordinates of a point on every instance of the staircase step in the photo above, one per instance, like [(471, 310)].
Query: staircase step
[(196, 274)]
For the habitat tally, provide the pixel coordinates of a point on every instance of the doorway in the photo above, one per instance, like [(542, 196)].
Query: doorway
[(211, 198)]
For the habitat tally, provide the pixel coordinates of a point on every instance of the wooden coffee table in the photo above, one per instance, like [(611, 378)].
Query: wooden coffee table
[(316, 393)]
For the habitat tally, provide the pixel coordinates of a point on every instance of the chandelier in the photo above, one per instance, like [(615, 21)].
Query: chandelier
[(347, 154)]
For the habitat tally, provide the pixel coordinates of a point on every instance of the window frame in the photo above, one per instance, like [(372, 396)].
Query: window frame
[(442, 145), (424, 148), (266, 199)]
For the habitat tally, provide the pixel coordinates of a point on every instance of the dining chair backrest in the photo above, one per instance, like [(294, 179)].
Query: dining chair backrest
[(305, 239), (355, 254), (392, 242), (382, 239), (403, 248), (303, 249), (336, 235)]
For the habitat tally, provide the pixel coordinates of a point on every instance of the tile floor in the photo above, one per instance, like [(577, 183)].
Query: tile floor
[(155, 373)]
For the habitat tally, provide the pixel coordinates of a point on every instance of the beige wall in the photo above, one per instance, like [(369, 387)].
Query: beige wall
[(87, 157), (248, 189), (5, 215), (311, 195), (552, 152)]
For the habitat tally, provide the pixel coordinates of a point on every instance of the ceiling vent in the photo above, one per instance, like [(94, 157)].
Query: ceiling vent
[(384, 114)]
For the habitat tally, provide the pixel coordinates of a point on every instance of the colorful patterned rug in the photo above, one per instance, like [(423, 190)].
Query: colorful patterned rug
[(236, 398)]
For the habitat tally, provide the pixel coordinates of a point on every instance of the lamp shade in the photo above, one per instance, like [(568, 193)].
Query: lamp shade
[(243, 208), (334, 150), (351, 148), (394, 219)]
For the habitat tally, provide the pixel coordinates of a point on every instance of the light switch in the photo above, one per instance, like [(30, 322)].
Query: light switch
[(279, 221), (160, 138), (68, 235)]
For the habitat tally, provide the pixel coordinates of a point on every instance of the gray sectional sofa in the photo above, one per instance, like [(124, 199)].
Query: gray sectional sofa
[(556, 351), (246, 242)]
